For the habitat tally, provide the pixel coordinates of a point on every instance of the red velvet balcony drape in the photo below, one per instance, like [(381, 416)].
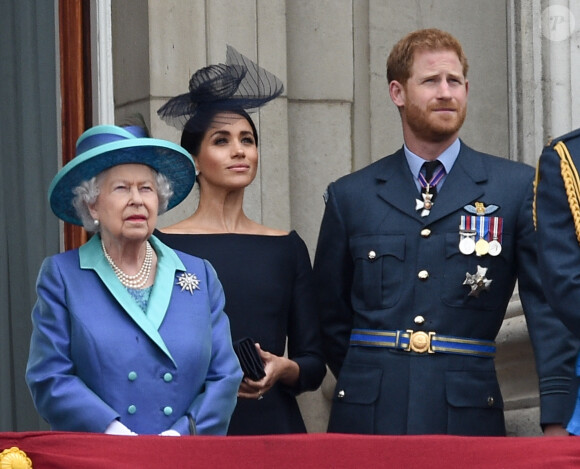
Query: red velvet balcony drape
[(81, 450)]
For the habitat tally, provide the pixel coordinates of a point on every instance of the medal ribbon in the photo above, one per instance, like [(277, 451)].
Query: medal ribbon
[(434, 180), (496, 228), (467, 223), (482, 227)]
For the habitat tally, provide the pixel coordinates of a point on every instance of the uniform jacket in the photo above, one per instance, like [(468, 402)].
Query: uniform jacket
[(559, 248), (95, 356), (558, 229), (380, 265)]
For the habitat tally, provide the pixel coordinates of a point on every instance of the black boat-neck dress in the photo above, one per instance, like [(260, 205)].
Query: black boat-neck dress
[(268, 286)]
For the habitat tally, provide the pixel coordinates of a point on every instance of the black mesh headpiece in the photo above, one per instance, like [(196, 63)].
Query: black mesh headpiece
[(239, 84)]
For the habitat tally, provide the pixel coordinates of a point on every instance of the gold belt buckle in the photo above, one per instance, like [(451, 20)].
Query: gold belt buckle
[(420, 342)]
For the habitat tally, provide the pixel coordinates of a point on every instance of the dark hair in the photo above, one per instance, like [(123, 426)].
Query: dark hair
[(191, 139)]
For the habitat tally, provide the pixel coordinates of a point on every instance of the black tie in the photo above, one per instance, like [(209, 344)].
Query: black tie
[(429, 168)]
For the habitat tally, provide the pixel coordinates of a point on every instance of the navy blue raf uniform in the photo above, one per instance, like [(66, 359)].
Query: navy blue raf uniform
[(558, 225), (411, 301)]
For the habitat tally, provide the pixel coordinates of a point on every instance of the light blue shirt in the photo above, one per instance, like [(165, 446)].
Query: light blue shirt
[(447, 159)]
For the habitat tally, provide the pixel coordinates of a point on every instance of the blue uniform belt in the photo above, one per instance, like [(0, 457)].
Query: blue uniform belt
[(422, 342)]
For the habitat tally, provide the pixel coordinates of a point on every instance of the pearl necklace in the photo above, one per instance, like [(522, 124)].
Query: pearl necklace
[(140, 278)]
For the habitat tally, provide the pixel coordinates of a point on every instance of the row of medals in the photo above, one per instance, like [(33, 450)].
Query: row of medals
[(468, 245)]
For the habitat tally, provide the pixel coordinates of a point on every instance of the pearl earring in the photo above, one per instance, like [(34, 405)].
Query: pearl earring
[(96, 222)]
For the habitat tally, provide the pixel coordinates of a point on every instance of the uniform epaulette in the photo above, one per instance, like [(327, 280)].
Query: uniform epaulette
[(570, 178), (564, 138)]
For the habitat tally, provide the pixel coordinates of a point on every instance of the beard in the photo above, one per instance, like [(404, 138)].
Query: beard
[(425, 124)]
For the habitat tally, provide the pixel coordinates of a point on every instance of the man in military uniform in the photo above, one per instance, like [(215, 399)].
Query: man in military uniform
[(558, 225), (415, 269)]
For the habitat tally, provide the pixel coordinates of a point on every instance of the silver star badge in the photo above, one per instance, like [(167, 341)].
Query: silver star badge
[(188, 282), (477, 281), (424, 205)]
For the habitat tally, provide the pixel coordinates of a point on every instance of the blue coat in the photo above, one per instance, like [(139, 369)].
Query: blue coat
[(380, 265), (559, 246), (95, 356)]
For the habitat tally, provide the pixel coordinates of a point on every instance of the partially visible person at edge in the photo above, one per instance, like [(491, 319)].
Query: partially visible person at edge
[(266, 272), (129, 336), (558, 224), (415, 270)]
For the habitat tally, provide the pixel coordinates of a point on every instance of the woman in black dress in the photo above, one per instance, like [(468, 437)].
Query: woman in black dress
[(266, 273)]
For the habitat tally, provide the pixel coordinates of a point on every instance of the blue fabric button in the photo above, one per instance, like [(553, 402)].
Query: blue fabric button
[(167, 377), (168, 411), (132, 376), (132, 409)]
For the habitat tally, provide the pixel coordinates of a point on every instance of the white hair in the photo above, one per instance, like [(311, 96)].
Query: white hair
[(87, 192)]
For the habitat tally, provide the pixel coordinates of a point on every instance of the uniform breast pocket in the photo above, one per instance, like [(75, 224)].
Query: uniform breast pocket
[(378, 270)]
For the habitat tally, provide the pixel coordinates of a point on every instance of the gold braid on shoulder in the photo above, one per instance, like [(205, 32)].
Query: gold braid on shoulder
[(571, 184)]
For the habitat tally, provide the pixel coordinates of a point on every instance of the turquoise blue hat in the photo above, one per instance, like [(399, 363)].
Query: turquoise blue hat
[(104, 146)]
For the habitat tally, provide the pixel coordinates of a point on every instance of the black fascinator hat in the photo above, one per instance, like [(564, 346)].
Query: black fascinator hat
[(237, 85)]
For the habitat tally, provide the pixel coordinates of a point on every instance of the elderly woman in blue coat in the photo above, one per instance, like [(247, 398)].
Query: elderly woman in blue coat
[(129, 336)]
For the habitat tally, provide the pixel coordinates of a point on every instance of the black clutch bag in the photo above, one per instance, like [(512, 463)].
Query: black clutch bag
[(249, 358)]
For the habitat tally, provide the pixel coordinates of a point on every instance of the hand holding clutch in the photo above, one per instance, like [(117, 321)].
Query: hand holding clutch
[(249, 358)]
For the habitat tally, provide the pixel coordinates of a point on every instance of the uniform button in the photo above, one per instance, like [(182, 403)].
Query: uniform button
[(372, 255), (341, 394), (132, 376), (167, 411), (425, 232), (423, 275), (490, 401), (419, 320), (132, 409), (167, 377)]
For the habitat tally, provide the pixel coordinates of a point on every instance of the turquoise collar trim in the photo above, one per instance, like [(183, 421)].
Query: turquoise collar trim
[(168, 263)]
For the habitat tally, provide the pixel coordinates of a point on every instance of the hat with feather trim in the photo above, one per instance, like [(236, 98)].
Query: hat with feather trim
[(104, 146)]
